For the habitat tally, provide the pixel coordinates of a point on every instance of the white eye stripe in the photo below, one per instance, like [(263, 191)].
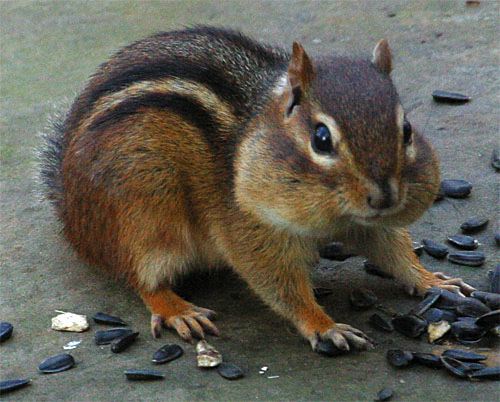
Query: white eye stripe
[(326, 160)]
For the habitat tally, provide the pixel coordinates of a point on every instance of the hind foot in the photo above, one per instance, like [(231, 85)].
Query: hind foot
[(174, 312)]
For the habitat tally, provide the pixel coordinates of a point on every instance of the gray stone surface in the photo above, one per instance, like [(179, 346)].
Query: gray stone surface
[(47, 50)]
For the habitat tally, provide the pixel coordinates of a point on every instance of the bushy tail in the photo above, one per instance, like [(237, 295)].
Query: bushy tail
[(51, 156)]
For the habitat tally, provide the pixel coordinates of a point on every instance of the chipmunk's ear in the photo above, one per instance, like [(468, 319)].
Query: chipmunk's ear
[(300, 75), (382, 58)]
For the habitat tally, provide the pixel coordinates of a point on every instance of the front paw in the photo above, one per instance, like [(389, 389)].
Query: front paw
[(440, 280), (339, 339)]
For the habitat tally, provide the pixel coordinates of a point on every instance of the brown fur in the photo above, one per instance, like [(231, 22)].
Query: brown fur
[(166, 170)]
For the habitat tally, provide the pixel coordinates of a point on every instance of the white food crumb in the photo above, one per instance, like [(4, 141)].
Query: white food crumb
[(71, 345), (70, 322)]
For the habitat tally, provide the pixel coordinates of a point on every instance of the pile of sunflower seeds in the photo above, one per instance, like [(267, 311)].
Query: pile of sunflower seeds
[(120, 339)]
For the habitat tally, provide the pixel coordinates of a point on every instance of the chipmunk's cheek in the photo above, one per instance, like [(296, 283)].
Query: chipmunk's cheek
[(353, 194)]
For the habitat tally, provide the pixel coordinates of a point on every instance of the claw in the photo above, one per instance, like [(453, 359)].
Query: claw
[(358, 342), (344, 337), (338, 340), (452, 288), (196, 328), (207, 325), (193, 322), (181, 327), (456, 285), (156, 324), (210, 314), (443, 281), (460, 284)]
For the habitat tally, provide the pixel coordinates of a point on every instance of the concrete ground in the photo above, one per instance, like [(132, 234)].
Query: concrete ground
[(48, 49)]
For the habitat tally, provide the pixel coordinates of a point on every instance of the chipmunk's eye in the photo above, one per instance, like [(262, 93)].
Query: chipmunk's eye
[(407, 132), (322, 140)]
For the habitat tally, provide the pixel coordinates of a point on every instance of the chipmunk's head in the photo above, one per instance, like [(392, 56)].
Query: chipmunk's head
[(334, 142)]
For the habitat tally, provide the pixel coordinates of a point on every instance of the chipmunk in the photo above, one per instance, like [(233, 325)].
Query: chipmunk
[(201, 148)]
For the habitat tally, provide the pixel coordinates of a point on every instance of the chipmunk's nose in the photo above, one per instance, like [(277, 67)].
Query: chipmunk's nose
[(383, 195)]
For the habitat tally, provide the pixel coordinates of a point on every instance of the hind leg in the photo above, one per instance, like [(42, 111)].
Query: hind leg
[(171, 310), (159, 257)]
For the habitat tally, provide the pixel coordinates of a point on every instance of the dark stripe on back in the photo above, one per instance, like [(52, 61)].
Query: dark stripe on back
[(183, 69), (157, 58), (188, 108)]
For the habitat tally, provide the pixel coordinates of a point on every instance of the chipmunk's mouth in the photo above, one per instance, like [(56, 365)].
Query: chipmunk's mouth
[(371, 218), (368, 220)]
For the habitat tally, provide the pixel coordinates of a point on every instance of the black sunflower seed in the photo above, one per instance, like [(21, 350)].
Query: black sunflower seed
[(470, 307), (437, 314), (327, 348), (427, 359), (433, 315), (418, 248), (409, 325), (474, 224), (489, 320), (474, 365), (123, 342), (334, 251), (456, 188), (6, 329), (322, 292), (167, 353), (488, 373), (103, 318), (429, 300), (463, 241), (230, 371), (495, 159), (492, 300), (448, 300), (143, 375), (449, 316), (449, 97), (373, 269), (497, 238), (105, 337), (468, 258), (464, 355), (455, 367), (495, 280), (11, 385), (57, 363), (468, 320), (384, 394), (362, 298), (434, 249), (379, 322), (399, 358), (465, 331)]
